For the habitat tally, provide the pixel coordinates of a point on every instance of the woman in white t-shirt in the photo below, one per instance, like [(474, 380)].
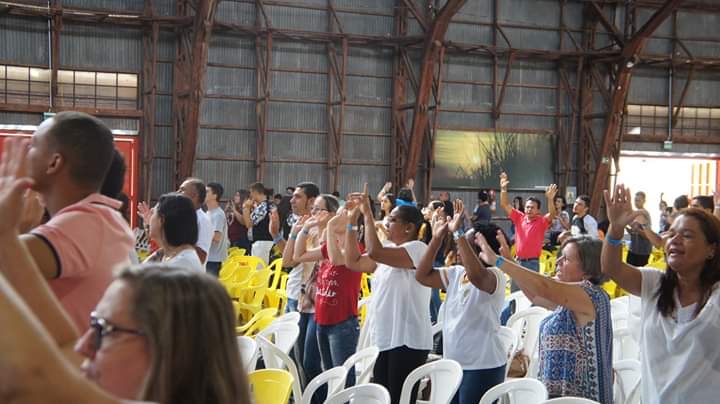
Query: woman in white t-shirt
[(399, 302), (680, 320), (173, 225), (474, 301)]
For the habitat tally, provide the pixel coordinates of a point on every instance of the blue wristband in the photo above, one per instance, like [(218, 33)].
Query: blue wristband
[(293, 236), (499, 261), (613, 242)]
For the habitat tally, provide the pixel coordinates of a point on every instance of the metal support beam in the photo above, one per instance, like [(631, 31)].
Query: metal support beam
[(56, 23), (609, 27), (432, 51), (619, 94), (401, 75), (336, 76), (263, 60), (189, 81), (149, 100)]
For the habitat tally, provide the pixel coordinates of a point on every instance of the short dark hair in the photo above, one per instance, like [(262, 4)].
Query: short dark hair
[(179, 220), (115, 177), (310, 189), (586, 199), (199, 186), (589, 250), (216, 188), (707, 202), (335, 194), (562, 198), (681, 202), (536, 201), (483, 195), (257, 187), (406, 195), (86, 144), (410, 214)]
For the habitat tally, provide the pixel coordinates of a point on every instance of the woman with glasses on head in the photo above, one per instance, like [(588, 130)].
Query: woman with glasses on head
[(399, 302), (143, 338), (576, 338)]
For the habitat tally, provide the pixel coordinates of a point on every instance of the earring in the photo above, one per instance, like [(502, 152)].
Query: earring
[(407, 231)]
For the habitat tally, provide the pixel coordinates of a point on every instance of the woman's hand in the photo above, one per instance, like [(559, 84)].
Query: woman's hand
[(504, 245), (317, 220), (144, 212), (619, 208), (457, 221), (504, 181), (298, 226), (13, 183), (486, 252), (248, 204), (439, 224), (274, 226)]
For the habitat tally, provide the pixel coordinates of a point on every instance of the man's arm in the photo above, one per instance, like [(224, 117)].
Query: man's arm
[(504, 203), (550, 193), (45, 257)]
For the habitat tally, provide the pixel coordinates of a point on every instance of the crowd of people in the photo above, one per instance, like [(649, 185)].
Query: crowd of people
[(62, 233)]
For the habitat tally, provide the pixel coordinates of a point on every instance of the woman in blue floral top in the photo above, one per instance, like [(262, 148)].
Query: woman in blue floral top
[(576, 338)]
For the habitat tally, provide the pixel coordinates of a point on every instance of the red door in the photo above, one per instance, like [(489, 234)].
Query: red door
[(129, 147)]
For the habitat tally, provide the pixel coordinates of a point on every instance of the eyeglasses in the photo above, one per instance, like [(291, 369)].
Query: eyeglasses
[(314, 209), (103, 328)]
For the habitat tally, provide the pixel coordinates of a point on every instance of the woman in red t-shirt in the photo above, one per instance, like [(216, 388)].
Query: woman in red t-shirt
[(338, 288)]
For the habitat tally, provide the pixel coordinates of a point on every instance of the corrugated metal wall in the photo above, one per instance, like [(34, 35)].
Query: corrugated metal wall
[(297, 147)]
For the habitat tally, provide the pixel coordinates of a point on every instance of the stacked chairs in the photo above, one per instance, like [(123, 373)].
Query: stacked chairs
[(275, 296)]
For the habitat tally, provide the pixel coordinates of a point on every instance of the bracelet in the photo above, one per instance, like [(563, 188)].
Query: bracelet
[(278, 238), (458, 234), (304, 231), (293, 236), (351, 227), (499, 261), (613, 242)]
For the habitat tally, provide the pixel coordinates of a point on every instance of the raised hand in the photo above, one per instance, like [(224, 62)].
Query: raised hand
[(439, 224), (619, 207), (504, 245), (551, 191), (386, 187), (486, 252), (410, 183), (300, 223), (318, 219), (504, 181), (457, 220), (144, 212), (13, 183), (33, 209)]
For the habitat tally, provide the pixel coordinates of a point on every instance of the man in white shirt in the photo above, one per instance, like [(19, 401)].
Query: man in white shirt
[(219, 244), (194, 189), (582, 223)]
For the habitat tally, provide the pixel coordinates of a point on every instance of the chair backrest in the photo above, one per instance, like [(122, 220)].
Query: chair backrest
[(445, 377), (291, 317), (510, 341), (624, 345), (627, 381), (283, 334), (270, 385), (521, 300), (276, 273), (526, 324), (334, 378), (520, 391), (570, 400), (275, 358), (252, 262), (363, 394), (364, 361), (259, 321), (248, 352), (437, 327)]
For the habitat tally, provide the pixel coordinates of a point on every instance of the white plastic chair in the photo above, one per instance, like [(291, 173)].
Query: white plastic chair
[(283, 334), (570, 400), (520, 391), (365, 337), (364, 362), (363, 394), (624, 345), (437, 327), (445, 377), (521, 301), (292, 317), (334, 379), (510, 341), (526, 324), (620, 310), (627, 382), (275, 358), (248, 352)]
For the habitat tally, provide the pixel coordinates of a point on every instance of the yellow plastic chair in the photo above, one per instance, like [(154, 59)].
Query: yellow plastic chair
[(257, 323), (250, 298), (232, 251), (547, 262), (249, 261), (274, 295), (365, 285), (270, 386)]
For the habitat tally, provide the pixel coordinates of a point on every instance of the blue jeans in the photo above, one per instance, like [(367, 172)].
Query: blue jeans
[(213, 268), (306, 348), (291, 305), (475, 383), (434, 304), (338, 342), (532, 263)]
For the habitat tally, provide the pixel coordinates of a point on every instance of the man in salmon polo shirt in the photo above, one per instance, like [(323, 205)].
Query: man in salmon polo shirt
[(530, 226), (86, 237)]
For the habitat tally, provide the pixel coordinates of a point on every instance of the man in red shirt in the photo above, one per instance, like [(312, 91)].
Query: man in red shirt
[(530, 226)]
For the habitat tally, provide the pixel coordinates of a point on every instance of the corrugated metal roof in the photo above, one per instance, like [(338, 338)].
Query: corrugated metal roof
[(240, 113), (233, 12), (468, 67), (287, 115), (114, 5), (296, 146), (539, 12), (370, 61), (376, 6), (469, 33), (369, 90), (364, 148), (366, 24), (165, 7), (226, 143), (466, 96), (232, 175), (231, 49), (19, 118), (165, 77), (164, 142), (311, 86), (299, 55), (163, 172), (25, 41), (122, 123), (231, 81), (368, 120), (163, 112), (464, 120), (113, 48), (166, 46), (281, 175), (297, 18), (353, 178)]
